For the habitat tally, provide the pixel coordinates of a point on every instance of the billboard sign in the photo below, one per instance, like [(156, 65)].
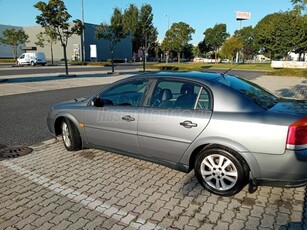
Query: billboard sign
[(243, 15)]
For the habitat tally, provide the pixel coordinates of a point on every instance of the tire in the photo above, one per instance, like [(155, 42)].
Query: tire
[(32, 63), (219, 171), (70, 135)]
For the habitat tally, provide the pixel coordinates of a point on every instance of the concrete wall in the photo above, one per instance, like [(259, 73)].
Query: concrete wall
[(123, 49), (7, 51)]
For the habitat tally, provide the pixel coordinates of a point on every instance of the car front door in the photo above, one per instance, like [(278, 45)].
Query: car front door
[(110, 120), (177, 113)]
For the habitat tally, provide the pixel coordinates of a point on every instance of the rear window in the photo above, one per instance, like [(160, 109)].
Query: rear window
[(254, 92)]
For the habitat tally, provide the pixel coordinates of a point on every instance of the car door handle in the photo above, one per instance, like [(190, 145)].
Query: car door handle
[(128, 118), (188, 124)]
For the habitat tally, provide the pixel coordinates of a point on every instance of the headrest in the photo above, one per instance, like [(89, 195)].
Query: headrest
[(187, 89), (166, 94)]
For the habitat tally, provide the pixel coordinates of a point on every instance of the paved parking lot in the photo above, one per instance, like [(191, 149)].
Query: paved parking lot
[(92, 189)]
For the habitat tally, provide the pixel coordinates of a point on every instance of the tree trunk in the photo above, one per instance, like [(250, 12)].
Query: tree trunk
[(15, 53), (65, 58), (215, 56), (112, 53), (178, 56), (51, 51)]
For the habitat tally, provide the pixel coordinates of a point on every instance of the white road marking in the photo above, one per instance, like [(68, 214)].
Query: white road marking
[(87, 201)]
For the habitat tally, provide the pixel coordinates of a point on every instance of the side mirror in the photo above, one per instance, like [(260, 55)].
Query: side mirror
[(98, 102)]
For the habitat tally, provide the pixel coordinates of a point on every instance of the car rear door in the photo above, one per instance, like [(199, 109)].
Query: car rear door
[(173, 119)]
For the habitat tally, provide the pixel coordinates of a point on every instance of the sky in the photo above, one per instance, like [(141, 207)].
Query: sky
[(199, 14)]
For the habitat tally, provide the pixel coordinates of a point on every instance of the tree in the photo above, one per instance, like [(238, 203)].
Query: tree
[(231, 46), (114, 32), (278, 34), (177, 38), (215, 37), (46, 38), (299, 5), (246, 35), (139, 23), (204, 47), (14, 38), (131, 22), (55, 17)]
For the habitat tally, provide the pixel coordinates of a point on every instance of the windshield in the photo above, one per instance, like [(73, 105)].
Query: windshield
[(254, 92)]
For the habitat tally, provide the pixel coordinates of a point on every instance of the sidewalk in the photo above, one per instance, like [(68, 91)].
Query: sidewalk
[(18, 84), (9, 85)]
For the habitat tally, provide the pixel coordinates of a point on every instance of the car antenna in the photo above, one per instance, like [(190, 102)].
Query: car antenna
[(223, 74)]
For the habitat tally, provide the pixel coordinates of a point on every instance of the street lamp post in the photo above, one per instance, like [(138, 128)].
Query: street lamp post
[(82, 39)]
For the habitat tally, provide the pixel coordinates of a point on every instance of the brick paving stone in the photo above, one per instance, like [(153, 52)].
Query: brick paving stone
[(58, 218), (221, 225), (23, 222), (228, 216), (79, 224), (159, 216), (142, 207), (8, 223), (237, 224), (242, 213), (252, 222), (267, 221), (181, 222), (45, 226), (94, 223), (77, 215), (44, 219)]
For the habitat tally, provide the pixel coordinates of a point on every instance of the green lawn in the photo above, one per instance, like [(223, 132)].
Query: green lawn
[(190, 66)]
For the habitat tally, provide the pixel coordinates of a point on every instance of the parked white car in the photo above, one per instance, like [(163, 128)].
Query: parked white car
[(32, 59)]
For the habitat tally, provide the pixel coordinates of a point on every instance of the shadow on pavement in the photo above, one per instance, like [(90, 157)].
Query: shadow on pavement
[(298, 91), (298, 225), (62, 77)]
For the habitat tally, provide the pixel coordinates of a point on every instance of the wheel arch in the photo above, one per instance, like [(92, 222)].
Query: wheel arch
[(60, 118), (244, 155)]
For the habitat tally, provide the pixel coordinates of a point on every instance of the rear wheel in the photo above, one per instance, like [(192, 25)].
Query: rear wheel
[(219, 171), (32, 63), (70, 135)]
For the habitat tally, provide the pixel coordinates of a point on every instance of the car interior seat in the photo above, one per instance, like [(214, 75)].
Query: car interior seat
[(166, 97), (187, 98)]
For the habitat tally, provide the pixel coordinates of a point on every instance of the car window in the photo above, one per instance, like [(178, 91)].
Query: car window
[(174, 94), (204, 100), (125, 94), (254, 92)]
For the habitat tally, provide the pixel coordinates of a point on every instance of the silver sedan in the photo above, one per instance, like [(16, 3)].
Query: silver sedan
[(230, 131)]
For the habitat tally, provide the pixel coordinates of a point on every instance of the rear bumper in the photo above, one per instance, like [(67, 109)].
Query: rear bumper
[(286, 170)]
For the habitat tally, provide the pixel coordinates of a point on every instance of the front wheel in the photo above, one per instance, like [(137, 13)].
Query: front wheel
[(220, 172), (71, 136)]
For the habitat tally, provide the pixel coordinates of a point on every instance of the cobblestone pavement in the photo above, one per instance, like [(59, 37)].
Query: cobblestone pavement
[(52, 188)]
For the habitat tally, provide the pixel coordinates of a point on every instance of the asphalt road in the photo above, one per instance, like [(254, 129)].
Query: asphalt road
[(23, 116)]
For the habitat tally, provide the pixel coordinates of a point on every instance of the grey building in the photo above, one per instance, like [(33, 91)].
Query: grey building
[(7, 51), (74, 47)]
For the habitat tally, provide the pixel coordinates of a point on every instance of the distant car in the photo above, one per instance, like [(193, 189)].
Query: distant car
[(37, 58), (225, 61), (230, 131)]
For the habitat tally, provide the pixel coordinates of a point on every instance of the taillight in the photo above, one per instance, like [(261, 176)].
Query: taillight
[(297, 134)]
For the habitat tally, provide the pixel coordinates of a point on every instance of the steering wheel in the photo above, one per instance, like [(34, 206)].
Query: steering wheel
[(124, 100)]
